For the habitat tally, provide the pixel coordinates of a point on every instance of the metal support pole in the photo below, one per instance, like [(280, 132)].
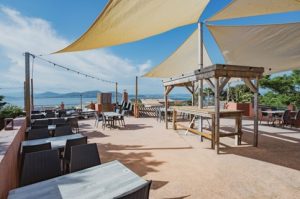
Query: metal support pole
[(166, 107), (116, 93), (136, 89), (32, 104), (27, 87), (81, 102), (256, 101), (217, 114)]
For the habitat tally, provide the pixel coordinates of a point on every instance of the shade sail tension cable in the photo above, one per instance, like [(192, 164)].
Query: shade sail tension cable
[(70, 69)]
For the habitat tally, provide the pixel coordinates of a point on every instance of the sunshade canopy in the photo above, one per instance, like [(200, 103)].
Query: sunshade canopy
[(184, 59), (247, 8), (124, 21), (274, 47)]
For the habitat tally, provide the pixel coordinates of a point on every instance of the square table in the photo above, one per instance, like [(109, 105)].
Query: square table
[(56, 142), (112, 115), (104, 181)]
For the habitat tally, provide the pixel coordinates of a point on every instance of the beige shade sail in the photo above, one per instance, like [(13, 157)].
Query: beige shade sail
[(124, 21), (274, 47), (247, 8), (183, 60)]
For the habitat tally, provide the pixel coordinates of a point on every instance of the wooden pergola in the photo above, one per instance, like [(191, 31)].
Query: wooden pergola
[(217, 76)]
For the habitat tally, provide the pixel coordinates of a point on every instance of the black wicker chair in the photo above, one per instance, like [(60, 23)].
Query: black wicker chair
[(58, 121), (39, 166), (141, 192), (120, 118), (50, 115), (41, 123), (73, 122), (63, 130), (36, 148), (84, 156), (41, 133), (67, 152)]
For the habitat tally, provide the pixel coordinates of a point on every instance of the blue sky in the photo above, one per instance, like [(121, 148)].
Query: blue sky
[(64, 21)]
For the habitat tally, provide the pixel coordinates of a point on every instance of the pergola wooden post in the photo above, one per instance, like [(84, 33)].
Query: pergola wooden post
[(217, 113)]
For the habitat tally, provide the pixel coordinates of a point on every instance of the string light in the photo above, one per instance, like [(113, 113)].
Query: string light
[(70, 69)]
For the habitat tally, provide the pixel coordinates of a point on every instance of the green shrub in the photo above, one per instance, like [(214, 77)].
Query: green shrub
[(10, 111)]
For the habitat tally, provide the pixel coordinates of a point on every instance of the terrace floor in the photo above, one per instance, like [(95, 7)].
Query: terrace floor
[(183, 167)]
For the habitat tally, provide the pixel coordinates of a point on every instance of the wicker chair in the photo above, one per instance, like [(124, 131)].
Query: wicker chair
[(107, 120), (50, 115), (120, 118), (284, 119), (73, 122), (63, 130), (98, 118), (141, 192), (34, 134), (67, 152), (39, 166), (58, 121), (79, 158), (41, 123), (295, 121), (36, 148)]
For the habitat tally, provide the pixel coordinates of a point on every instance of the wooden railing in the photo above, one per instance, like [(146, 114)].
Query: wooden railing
[(148, 111)]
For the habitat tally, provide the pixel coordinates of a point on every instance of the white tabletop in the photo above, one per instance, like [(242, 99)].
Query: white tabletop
[(105, 181), (273, 112), (111, 114), (56, 142)]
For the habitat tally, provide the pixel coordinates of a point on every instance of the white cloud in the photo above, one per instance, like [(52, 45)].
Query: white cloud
[(20, 33)]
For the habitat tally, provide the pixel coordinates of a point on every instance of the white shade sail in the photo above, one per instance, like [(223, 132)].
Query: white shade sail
[(124, 21), (183, 60), (247, 8), (274, 47)]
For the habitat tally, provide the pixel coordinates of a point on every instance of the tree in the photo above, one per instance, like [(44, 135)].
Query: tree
[(283, 90), (1, 102)]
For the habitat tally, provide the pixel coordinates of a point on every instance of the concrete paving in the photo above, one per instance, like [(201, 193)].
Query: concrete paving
[(181, 166)]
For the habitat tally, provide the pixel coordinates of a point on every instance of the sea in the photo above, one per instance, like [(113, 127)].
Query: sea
[(73, 102)]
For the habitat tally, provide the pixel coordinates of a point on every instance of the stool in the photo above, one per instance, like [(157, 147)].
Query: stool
[(9, 123)]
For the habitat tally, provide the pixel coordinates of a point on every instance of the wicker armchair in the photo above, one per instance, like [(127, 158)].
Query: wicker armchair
[(73, 122), (295, 121), (34, 134), (39, 166), (79, 158), (63, 130), (67, 152), (141, 192)]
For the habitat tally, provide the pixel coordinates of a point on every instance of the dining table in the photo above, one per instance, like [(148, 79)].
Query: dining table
[(112, 115), (105, 181), (56, 142)]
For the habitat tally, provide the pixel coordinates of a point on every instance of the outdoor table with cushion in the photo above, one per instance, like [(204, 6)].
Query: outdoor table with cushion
[(107, 181), (56, 142)]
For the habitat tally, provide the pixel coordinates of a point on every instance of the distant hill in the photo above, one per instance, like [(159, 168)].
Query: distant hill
[(87, 94)]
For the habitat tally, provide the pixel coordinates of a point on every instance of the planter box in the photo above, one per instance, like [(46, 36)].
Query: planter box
[(246, 107)]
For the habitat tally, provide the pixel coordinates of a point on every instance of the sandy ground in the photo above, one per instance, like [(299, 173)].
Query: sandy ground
[(181, 166)]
